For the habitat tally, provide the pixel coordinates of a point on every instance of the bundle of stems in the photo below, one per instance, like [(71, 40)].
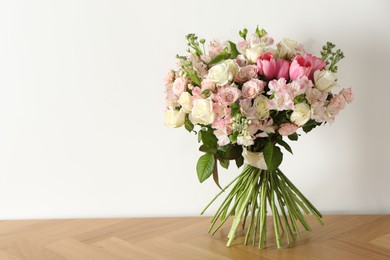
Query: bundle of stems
[(253, 190)]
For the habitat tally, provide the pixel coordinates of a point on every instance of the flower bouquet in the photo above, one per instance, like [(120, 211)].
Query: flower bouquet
[(243, 100)]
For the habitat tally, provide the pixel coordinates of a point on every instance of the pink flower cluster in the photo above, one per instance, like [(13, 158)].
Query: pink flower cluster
[(262, 91)]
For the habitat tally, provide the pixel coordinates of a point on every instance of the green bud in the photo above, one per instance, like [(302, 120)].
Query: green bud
[(202, 41)]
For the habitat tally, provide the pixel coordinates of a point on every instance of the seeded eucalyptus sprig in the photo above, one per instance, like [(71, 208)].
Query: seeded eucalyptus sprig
[(188, 69), (331, 57), (193, 43)]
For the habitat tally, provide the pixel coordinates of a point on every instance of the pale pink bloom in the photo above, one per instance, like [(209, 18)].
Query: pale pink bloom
[(336, 104), (229, 94), (347, 94), (206, 84), (246, 73), (247, 109), (179, 86), (171, 99), (299, 86), (222, 136), (197, 92), (254, 127), (197, 64), (205, 58), (316, 64), (252, 88), (266, 65), (280, 102), (277, 86), (242, 61), (287, 129), (242, 46), (282, 69), (221, 110), (300, 67), (267, 40), (267, 126), (169, 78), (318, 112), (215, 47), (314, 95), (254, 39)]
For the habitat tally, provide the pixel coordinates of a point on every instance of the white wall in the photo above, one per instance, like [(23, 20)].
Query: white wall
[(81, 105)]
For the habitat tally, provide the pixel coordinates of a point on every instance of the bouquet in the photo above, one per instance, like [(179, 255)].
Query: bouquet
[(243, 100)]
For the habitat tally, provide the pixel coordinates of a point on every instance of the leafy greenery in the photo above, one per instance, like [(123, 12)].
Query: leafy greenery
[(205, 166), (293, 137), (189, 126), (272, 156), (331, 57)]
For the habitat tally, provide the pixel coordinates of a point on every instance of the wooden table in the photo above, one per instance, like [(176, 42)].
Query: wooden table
[(342, 237)]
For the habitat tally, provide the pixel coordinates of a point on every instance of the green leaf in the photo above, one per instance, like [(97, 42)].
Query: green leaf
[(224, 55), (208, 138), (224, 163), (235, 108), (188, 125), (233, 50), (206, 149), (205, 166), (293, 137), (199, 136), (273, 156), (229, 151), (310, 125), (284, 144), (239, 161)]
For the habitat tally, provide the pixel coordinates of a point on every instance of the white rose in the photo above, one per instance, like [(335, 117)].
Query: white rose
[(185, 102), (301, 114), (261, 105), (287, 48), (174, 118), (202, 112), (254, 159), (254, 52), (223, 72), (324, 80)]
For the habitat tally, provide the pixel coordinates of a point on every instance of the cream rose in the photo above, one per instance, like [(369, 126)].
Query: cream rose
[(202, 112), (287, 48), (185, 102), (301, 114), (324, 80), (174, 118), (261, 105), (223, 73), (254, 52)]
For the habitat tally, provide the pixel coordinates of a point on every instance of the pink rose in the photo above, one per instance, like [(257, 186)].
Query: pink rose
[(247, 110), (229, 95), (282, 69), (347, 94), (246, 73), (266, 65), (287, 129), (300, 67), (316, 64), (179, 86), (252, 88)]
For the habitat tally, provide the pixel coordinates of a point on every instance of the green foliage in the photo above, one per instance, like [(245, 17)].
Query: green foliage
[(233, 50), (229, 151), (310, 125), (224, 55), (239, 161), (293, 137), (205, 166), (273, 156), (260, 32), (331, 57), (208, 138), (224, 163), (286, 146), (243, 33), (189, 126)]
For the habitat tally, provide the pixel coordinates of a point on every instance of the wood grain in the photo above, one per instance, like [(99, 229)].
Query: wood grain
[(342, 237)]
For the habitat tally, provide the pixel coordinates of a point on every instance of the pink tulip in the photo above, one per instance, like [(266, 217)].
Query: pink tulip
[(300, 67), (316, 63), (282, 68), (267, 65)]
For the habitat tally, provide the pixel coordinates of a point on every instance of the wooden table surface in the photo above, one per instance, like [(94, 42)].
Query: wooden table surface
[(342, 237)]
